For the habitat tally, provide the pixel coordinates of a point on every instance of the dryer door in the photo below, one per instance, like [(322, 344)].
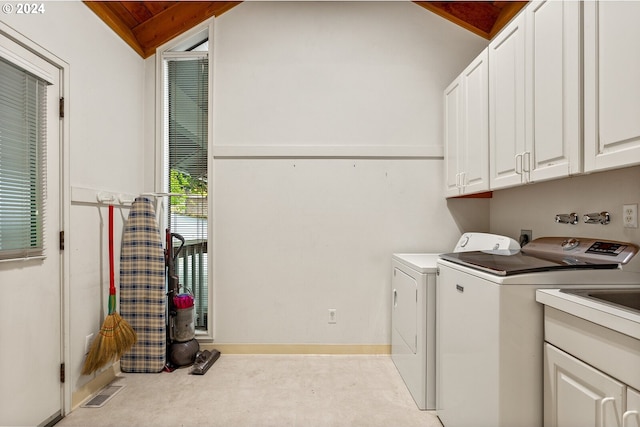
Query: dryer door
[(405, 308)]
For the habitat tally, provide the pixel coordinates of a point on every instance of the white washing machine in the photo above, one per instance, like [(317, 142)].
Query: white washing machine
[(413, 316), (490, 329)]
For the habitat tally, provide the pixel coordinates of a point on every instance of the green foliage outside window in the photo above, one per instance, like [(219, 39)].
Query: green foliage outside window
[(183, 183)]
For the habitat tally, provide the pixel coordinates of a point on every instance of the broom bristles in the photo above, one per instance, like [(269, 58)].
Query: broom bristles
[(115, 338)]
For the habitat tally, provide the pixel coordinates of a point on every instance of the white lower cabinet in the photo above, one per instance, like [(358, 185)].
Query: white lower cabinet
[(631, 417), (578, 395)]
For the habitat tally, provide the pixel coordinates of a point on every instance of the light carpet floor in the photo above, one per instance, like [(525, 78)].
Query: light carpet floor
[(264, 390)]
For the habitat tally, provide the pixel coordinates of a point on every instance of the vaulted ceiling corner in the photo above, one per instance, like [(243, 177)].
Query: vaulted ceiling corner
[(484, 18), (146, 25)]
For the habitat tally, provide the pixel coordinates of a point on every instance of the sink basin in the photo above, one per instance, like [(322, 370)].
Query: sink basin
[(627, 299)]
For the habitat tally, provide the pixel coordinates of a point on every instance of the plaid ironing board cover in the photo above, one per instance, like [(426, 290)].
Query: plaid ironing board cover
[(142, 289)]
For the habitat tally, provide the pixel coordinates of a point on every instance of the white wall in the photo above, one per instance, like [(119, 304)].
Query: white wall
[(106, 150), (533, 207), (316, 105)]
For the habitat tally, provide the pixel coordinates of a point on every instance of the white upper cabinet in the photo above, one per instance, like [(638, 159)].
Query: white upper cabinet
[(612, 84), (534, 95), (466, 130), (452, 137), (506, 105), (553, 109)]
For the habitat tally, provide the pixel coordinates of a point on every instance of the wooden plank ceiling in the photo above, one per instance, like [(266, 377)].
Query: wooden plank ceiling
[(145, 25)]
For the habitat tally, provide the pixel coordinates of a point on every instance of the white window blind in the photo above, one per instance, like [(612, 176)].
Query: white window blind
[(186, 132), (22, 162)]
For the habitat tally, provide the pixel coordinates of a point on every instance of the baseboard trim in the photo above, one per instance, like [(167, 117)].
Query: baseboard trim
[(383, 349), (95, 385)]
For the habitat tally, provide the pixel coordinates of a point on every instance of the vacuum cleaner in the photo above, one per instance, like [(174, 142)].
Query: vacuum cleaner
[(182, 347)]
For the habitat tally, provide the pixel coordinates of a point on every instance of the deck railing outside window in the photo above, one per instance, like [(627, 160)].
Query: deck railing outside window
[(191, 268)]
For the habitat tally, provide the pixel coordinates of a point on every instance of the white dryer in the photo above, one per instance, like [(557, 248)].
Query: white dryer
[(413, 315)]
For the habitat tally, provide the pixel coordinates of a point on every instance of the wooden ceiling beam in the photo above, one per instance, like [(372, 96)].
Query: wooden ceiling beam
[(482, 18), (436, 7), (509, 10)]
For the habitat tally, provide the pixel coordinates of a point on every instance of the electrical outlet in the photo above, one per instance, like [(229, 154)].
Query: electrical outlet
[(525, 237), (87, 343), (333, 315), (630, 216)]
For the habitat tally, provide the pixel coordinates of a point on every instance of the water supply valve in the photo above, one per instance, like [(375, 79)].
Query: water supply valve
[(571, 218), (597, 218)]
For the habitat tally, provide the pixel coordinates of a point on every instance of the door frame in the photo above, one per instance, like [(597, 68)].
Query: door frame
[(65, 196)]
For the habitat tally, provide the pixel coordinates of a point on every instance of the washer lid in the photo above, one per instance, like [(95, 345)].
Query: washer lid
[(504, 263), (549, 253)]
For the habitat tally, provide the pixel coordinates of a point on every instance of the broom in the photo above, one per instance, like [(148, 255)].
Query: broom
[(116, 335)]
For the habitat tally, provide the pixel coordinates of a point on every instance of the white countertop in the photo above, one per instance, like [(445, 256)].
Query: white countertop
[(624, 321)]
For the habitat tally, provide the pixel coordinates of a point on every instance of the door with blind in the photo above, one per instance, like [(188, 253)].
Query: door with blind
[(31, 391)]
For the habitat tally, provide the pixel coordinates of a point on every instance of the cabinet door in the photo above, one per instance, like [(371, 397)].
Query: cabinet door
[(578, 395), (612, 86), (631, 418), (452, 137), (507, 105), (475, 157), (553, 136)]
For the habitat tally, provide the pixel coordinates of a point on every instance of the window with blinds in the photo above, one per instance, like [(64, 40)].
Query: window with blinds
[(186, 147), (23, 130)]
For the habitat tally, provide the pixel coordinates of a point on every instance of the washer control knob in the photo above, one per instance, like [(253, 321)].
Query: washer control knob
[(569, 244)]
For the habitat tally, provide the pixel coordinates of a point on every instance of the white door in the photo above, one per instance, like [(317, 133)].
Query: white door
[(506, 105), (405, 308), (31, 392), (612, 86), (475, 124), (578, 395), (553, 87), (453, 137)]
